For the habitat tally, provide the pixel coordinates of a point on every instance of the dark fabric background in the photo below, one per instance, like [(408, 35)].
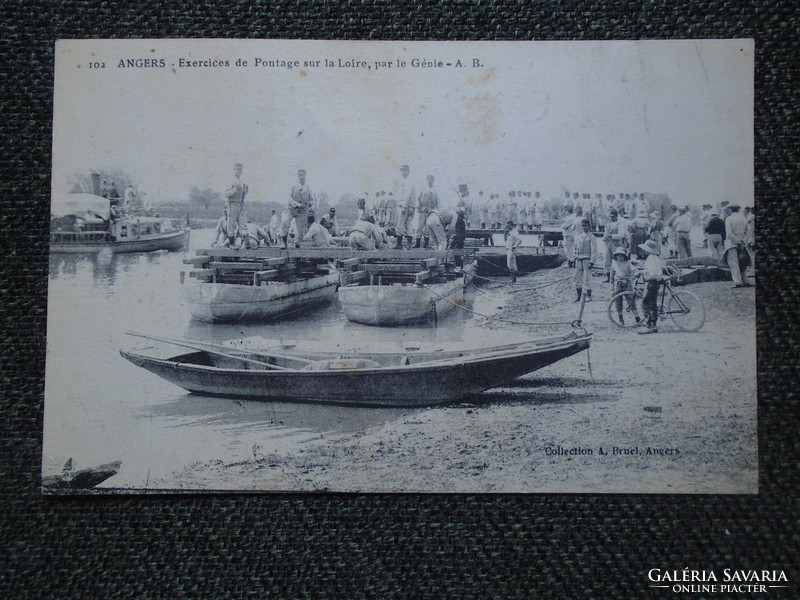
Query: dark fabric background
[(385, 546)]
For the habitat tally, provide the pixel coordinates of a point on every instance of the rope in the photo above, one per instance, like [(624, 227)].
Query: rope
[(462, 307), (527, 287)]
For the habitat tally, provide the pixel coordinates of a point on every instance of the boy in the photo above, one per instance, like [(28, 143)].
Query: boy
[(622, 276)]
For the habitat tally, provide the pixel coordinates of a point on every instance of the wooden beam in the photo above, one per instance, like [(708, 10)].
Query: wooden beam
[(328, 253), (236, 266), (348, 262), (260, 276), (373, 268), (422, 276), (197, 261), (198, 273), (353, 277)]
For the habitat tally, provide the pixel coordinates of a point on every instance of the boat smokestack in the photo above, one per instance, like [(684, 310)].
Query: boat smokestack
[(96, 183)]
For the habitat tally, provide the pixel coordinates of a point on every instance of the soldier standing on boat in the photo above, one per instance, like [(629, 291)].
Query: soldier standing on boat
[(234, 204), (274, 228), (301, 200), (464, 202), (405, 193), (428, 202)]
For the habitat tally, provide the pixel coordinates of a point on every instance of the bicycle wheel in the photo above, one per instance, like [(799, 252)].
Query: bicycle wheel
[(687, 311), (625, 309)]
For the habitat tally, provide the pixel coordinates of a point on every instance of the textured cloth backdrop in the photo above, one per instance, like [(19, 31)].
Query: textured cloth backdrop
[(385, 546)]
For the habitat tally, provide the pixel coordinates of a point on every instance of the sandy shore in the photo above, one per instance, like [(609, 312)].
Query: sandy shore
[(673, 412)]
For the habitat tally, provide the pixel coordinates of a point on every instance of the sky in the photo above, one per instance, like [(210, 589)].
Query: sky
[(670, 117)]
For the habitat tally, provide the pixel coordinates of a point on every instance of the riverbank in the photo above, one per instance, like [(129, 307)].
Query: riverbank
[(673, 412)]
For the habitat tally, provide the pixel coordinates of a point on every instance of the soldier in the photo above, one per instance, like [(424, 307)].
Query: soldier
[(405, 194), (234, 203), (301, 200), (585, 258), (464, 203), (317, 236), (427, 202), (512, 241)]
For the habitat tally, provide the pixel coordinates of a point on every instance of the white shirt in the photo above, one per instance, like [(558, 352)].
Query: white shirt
[(653, 267)]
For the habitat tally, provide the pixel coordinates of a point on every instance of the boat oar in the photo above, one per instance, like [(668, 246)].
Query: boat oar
[(209, 348)]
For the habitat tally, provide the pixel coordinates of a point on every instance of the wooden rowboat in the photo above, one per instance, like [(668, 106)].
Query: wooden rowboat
[(379, 376), (81, 479)]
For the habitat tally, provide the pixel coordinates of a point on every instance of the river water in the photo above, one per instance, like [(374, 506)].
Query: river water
[(100, 408)]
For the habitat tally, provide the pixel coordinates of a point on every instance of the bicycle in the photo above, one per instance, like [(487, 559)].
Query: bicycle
[(684, 308)]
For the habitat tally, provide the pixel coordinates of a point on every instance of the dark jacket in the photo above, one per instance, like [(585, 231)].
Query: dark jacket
[(715, 225)]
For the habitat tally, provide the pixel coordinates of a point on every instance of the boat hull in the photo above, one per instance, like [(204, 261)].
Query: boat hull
[(411, 385), (227, 303), (396, 304), (79, 480), (168, 241)]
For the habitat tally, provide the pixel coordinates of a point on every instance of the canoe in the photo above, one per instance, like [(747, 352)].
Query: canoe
[(408, 376), (229, 302)]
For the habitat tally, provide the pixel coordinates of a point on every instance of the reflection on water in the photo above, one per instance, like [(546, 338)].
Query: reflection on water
[(99, 407)]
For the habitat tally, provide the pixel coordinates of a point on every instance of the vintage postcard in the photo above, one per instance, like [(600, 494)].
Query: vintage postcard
[(458, 267)]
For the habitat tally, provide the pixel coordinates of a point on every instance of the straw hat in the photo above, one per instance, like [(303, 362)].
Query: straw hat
[(650, 247), (620, 250)]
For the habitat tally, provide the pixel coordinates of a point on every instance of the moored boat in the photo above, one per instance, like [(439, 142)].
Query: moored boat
[(383, 375), (239, 287), (81, 479), (389, 293), (85, 223)]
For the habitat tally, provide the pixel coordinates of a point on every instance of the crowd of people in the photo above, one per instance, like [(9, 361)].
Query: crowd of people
[(403, 216), (412, 217), (728, 237)]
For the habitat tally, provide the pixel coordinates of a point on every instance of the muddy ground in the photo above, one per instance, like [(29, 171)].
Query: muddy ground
[(673, 412)]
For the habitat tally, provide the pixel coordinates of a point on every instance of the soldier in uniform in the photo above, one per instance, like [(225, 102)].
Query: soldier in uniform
[(405, 193), (427, 202), (301, 201), (234, 204)]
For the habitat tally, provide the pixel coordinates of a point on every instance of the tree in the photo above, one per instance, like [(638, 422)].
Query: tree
[(205, 197)]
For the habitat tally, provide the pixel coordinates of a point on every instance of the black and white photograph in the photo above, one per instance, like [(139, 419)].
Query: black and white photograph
[(355, 266)]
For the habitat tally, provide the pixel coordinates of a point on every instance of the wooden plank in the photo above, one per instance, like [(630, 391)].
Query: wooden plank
[(197, 261), (328, 253), (271, 262), (422, 276), (260, 276), (348, 262), (434, 260), (236, 266), (197, 273), (353, 277), (378, 268)]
